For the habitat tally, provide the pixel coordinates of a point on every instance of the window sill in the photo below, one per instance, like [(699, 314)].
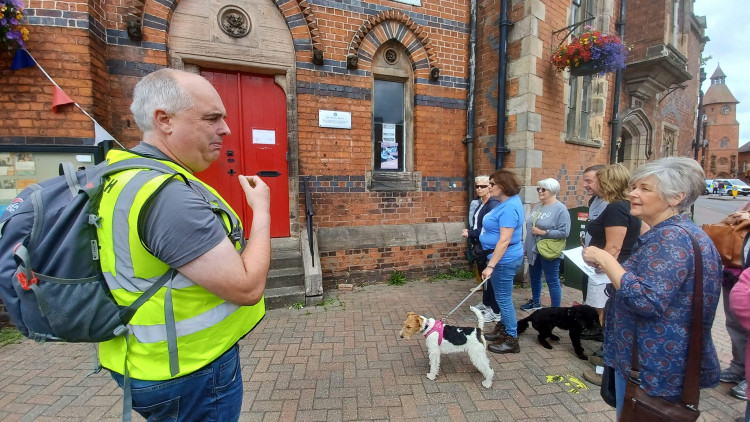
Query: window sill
[(593, 143), (386, 181)]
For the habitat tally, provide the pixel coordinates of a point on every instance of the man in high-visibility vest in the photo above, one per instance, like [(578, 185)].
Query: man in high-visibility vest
[(181, 357)]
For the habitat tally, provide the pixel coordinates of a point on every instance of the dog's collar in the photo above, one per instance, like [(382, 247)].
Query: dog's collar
[(437, 327)]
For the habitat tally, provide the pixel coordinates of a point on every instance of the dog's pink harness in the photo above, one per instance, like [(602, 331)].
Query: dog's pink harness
[(437, 327)]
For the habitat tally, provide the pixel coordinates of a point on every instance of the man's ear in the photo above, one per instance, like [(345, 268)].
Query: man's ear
[(162, 121)]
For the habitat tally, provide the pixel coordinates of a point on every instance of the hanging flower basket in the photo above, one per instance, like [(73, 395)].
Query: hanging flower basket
[(583, 69), (12, 34), (591, 52)]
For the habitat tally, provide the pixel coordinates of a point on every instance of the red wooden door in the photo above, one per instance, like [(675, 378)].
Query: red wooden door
[(256, 115)]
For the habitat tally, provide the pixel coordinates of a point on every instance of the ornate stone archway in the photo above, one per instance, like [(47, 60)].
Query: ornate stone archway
[(636, 138)]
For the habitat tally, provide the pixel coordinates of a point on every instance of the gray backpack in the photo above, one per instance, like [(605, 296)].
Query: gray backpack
[(50, 278)]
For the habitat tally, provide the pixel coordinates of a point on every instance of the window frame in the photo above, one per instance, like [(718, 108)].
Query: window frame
[(400, 70)]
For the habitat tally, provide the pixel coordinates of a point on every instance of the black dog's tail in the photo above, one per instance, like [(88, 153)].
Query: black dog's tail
[(523, 324)]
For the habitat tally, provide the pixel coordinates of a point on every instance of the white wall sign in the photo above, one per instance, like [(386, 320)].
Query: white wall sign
[(335, 119), (267, 137), (412, 2)]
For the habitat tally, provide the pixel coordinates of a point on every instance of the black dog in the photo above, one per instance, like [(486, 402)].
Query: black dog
[(574, 319)]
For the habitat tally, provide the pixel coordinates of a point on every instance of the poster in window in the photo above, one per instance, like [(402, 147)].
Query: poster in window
[(5, 164), (7, 190), (25, 164), (389, 148)]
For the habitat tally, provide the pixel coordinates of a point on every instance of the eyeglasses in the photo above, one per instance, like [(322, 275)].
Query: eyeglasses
[(480, 186), (492, 183), (541, 190)]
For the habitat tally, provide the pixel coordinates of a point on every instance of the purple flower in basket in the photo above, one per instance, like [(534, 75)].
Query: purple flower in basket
[(12, 33)]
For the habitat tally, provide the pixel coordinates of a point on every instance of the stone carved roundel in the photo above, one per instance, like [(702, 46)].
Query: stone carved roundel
[(390, 55), (234, 21)]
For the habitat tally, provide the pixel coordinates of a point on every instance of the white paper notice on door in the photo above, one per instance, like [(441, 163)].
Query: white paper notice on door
[(389, 132), (261, 136)]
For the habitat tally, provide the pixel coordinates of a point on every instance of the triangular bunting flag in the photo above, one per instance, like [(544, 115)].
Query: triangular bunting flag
[(22, 60), (60, 98), (101, 135)]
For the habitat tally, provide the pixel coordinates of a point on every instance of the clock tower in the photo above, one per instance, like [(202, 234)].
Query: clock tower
[(722, 131)]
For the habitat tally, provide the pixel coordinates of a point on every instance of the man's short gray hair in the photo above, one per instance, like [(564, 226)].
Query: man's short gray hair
[(674, 175), (158, 91), (550, 184), (483, 179)]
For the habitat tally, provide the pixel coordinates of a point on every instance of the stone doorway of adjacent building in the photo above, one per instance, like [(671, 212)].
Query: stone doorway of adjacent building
[(636, 139)]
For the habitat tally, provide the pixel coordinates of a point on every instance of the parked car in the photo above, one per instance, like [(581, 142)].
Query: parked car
[(709, 186), (733, 184), (742, 187)]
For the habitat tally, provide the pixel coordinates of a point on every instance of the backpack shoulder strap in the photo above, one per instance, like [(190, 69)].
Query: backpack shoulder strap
[(137, 163)]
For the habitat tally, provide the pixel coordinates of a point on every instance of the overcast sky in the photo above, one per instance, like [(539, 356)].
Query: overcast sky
[(728, 24)]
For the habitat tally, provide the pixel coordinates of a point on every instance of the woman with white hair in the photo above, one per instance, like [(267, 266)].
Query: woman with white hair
[(549, 220), (651, 293), (488, 306)]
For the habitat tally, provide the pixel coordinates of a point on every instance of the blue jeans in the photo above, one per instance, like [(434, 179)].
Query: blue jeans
[(502, 283), (551, 271), (213, 393)]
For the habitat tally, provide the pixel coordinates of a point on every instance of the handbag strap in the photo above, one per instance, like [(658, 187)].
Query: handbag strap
[(691, 384)]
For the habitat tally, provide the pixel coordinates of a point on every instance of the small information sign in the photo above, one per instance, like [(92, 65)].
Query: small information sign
[(335, 119)]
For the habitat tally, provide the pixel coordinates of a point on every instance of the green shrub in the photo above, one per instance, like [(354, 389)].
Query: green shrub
[(397, 278), (10, 335)]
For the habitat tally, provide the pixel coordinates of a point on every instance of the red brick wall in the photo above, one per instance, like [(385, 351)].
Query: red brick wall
[(645, 20), (26, 94)]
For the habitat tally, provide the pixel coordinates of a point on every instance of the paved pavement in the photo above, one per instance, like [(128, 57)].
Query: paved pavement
[(343, 360)]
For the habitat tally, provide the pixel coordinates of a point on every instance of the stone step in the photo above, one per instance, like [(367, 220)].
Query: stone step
[(285, 258), (285, 277), (284, 297)]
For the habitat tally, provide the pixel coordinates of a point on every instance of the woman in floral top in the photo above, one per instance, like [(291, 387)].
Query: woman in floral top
[(652, 295)]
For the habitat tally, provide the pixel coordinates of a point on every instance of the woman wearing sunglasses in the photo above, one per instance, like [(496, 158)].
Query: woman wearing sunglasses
[(549, 220), (488, 306)]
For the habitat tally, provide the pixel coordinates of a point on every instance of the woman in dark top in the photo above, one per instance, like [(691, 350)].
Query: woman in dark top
[(488, 306), (615, 230)]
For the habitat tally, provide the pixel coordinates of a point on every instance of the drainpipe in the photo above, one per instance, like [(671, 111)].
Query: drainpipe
[(469, 140), (501, 76), (620, 25)]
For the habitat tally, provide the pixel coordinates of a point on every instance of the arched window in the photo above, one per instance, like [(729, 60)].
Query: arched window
[(392, 119), (724, 143)]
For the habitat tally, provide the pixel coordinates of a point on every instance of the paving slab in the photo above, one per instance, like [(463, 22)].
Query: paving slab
[(343, 361)]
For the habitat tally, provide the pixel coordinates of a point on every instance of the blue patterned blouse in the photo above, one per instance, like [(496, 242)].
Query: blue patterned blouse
[(655, 296)]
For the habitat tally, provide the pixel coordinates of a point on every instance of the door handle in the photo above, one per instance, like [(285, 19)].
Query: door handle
[(268, 173)]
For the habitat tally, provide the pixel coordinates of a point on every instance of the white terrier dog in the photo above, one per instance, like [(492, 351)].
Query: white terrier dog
[(449, 339)]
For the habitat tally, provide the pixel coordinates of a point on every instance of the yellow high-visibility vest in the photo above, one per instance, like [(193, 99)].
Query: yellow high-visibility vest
[(206, 326)]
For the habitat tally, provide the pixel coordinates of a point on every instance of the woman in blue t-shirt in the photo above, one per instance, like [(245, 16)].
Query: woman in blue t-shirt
[(502, 230)]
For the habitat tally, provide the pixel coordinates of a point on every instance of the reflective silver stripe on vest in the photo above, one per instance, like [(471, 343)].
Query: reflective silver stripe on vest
[(121, 244), (156, 333)]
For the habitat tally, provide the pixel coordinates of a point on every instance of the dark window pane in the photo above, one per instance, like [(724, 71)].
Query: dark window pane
[(389, 102)]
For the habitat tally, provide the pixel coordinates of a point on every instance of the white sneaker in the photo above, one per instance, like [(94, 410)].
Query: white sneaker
[(481, 306), (490, 316)]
